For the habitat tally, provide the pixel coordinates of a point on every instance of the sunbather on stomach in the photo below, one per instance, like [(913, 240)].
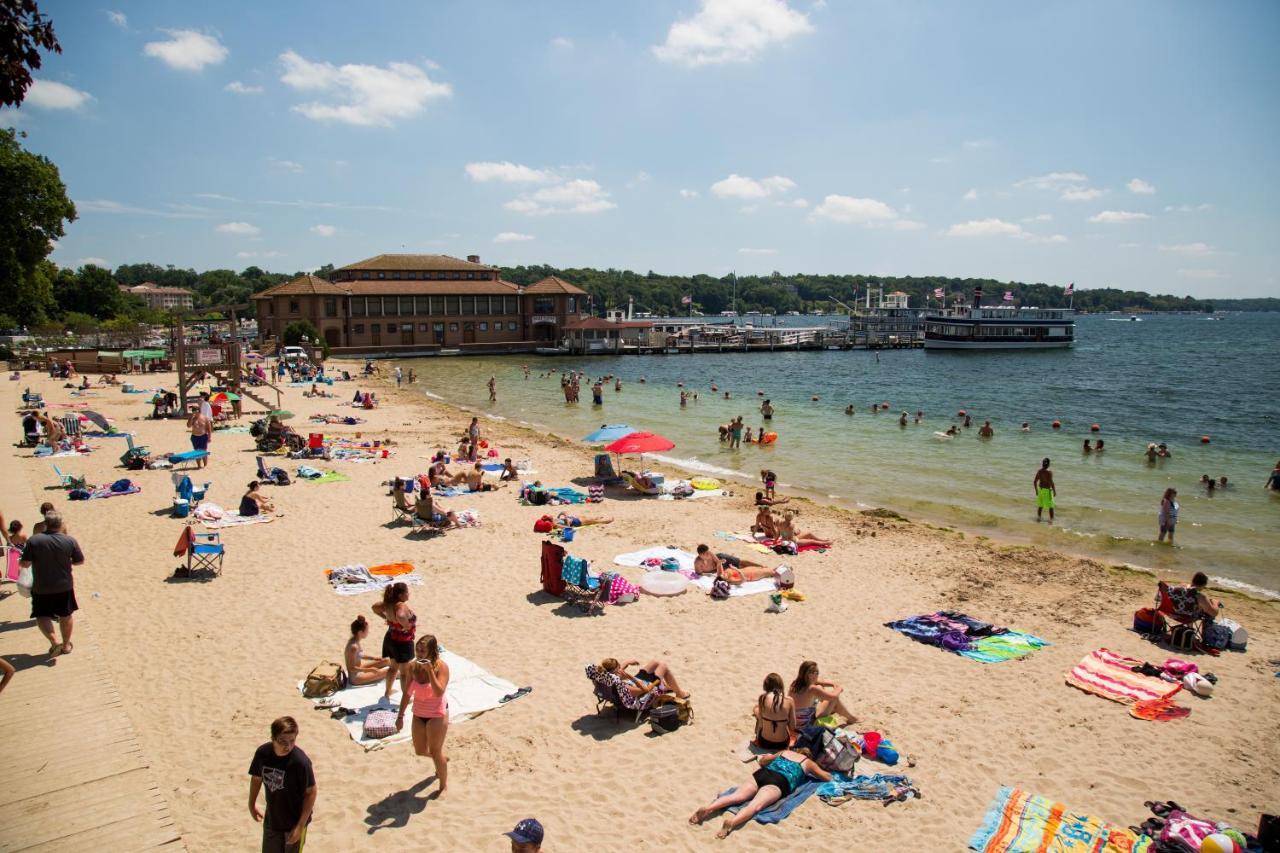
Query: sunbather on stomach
[(777, 777), (648, 678)]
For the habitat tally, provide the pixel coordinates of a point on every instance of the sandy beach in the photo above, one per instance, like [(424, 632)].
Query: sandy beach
[(204, 666)]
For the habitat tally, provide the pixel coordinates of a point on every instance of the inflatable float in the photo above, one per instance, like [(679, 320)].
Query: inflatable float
[(704, 483), (664, 583)]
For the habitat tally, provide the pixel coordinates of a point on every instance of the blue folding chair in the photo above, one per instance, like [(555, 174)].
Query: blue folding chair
[(204, 552)]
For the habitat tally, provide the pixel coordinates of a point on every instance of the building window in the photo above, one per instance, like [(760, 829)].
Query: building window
[(382, 275), (375, 327), (406, 306), (422, 306), (375, 306), (407, 327), (468, 306), (451, 305), (330, 307), (411, 275), (422, 327), (437, 305), (396, 276), (471, 275), (293, 306), (455, 276), (357, 306), (484, 327), (512, 304), (364, 275), (544, 305), (359, 328), (453, 327), (271, 308), (573, 304)]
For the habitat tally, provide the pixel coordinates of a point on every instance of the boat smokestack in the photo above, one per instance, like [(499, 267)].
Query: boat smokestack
[(977, 297)]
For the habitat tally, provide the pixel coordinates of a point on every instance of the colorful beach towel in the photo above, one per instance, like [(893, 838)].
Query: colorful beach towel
[(472, 690), (232, 519), (966, 636), (636, 559), (356, 579), (885, 787), (1109, 675), (782, 809), (1019, 822)]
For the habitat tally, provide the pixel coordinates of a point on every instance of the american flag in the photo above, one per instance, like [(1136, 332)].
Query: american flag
[(937, 293), (686, 300), (1071, 288), (1008, 296)]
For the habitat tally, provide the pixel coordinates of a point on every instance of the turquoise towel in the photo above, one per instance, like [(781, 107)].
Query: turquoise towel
[(782, 809)]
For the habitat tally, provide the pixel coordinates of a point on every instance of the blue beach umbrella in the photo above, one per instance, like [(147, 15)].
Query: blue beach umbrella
[(608, 433)]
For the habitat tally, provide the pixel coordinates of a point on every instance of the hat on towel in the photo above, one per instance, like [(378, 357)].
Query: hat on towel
[(527, 831)]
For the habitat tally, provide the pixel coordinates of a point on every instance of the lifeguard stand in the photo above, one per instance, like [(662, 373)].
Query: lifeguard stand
[(222, 360)]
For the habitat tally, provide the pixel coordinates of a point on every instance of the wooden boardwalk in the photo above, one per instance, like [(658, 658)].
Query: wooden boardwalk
[(72, 775)]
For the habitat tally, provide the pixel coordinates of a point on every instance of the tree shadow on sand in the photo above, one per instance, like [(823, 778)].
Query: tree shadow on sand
[(394, 810)]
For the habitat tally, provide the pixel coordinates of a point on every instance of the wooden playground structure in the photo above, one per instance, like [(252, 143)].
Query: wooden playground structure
[(221, 358)]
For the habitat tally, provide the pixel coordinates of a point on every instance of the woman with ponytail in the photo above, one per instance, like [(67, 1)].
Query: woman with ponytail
[(361, 668)]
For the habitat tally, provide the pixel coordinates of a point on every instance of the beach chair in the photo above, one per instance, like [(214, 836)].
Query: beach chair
[(610, 693), (272, 476), (581, 589), (33, 400), (134, 452), (604, 470), (1177, 607), (204, 552), (71, 426), (401, 511), (189, 491), (642, 486), (69, 481)]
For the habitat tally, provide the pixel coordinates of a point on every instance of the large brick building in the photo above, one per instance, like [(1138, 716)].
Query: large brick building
[(162, 298), (412, 303)]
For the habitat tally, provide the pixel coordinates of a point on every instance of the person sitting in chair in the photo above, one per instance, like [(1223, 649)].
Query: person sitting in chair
[(436, 515), (652, 676), (1190, 602)]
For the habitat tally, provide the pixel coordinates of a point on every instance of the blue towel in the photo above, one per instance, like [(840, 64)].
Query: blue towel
[(451, 491), (781, 810), (188, 456)]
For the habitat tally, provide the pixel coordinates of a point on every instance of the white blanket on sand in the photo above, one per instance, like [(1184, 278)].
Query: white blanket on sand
[(744, 588), (472, 690), (355, 579), (636, 559)]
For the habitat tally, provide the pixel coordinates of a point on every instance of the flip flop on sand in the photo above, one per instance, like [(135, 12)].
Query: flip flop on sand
[(55, 650), (510, 696), (67, 648)]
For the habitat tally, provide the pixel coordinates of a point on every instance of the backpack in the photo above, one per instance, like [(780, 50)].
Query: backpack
[(380, 723), (1147, 621), (280, 477), (1182, 638), (325, 680), (719, 589), (543, 525), (1217, 636)]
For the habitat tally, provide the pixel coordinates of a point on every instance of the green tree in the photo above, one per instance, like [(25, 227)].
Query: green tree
[(299, 329), (23, 33), (92, 291), (31, 218)]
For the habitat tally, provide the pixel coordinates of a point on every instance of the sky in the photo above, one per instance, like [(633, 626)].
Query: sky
[(1129, 145)]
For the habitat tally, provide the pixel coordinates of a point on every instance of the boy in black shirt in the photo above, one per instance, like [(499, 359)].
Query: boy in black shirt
[(285, 770)]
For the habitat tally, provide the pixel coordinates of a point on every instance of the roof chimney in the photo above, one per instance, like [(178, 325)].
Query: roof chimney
[(473, 259)]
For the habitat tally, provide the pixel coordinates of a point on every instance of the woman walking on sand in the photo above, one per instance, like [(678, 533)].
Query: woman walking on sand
[(426, 688), (1168, 515)]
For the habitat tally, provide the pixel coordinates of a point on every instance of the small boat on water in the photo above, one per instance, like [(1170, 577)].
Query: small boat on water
[(981, 326)]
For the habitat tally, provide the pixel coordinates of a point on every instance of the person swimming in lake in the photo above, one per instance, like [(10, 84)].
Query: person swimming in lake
[(919, 415), (952, 431), (1026, 427), (1088, 448), (985, 431), (766, 410), (902, 419), (848, 410), (1099, 446)]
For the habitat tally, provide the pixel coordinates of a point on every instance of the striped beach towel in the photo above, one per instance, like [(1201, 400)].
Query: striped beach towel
[(1019, 822), (1111, 676)]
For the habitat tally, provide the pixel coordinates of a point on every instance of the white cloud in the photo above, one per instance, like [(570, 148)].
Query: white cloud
[(1056, 181), (216, 196), (243, 229), (97, 262), (512, 237), (241, 89), (187, 50), (741, 187), (1129, 245), (108, 206), (577, 196), (1114, 217), (562, 43), (362, 95), (1082, 194), (1201, 273), (1040, 217), (1187, 208), (49, 95), (324, 230), (971, 195), (267, 254), (986, 228), (795, 202), (508, 173), (688, 193), (730, 31), (285, 165), (757, 251), (848, 210), (1191, 250), (120, 19), (1141, 187)]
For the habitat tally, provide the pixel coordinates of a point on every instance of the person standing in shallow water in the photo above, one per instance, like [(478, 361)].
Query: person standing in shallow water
[(493, 390), (1045, 490)]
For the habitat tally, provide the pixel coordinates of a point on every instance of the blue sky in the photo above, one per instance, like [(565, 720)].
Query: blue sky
[(1127, 145)]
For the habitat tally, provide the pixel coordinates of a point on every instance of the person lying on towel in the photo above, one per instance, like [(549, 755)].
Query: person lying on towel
[(733, 569), (778, 776)]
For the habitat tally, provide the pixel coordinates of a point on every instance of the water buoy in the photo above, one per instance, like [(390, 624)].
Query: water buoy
[(814, 398), (714, 388), (769, 438), (1095, 428), (1057, 424), (1204, 439), (678, 384), (884, 405), (961, 413), (759, 393)]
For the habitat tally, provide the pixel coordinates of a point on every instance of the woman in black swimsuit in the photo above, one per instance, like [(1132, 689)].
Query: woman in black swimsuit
[(775, 714)]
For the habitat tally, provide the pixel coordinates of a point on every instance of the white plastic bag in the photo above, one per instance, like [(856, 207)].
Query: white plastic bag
[(25, 580)]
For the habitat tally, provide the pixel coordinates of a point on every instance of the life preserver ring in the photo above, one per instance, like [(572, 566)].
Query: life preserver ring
[(704, 483), (769, 438)]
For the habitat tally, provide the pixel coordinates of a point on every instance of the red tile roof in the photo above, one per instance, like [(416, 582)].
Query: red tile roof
[(416, 262), (304, 285), (552, 284)]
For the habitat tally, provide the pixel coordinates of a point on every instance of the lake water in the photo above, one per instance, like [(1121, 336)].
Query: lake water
[(1166, 379)]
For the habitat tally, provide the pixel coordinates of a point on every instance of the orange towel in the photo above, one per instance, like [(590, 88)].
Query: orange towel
[(391, 569)]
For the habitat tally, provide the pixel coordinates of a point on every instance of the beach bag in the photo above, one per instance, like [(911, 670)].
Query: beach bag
[(786, 548), (785, 577), (543, 525), (1182, 638), (280, 477), (839, 753), (665, 718), (25, 580), (1216, 635), (380, 723), (1239, 636), (325, 680), (1148, 621), (539, 497), (135, 463), (595, 494), (719, 588), (1183, 832)]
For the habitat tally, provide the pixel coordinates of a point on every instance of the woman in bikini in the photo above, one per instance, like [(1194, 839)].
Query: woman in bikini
[(426, 689), (361, 668), (764, 523), (778, 775), (775, 714), (402, 625), (787, 530), (814, 698), (649, 677)]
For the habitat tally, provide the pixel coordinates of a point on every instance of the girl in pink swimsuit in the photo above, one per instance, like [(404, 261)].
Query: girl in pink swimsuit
[(429, 678)]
